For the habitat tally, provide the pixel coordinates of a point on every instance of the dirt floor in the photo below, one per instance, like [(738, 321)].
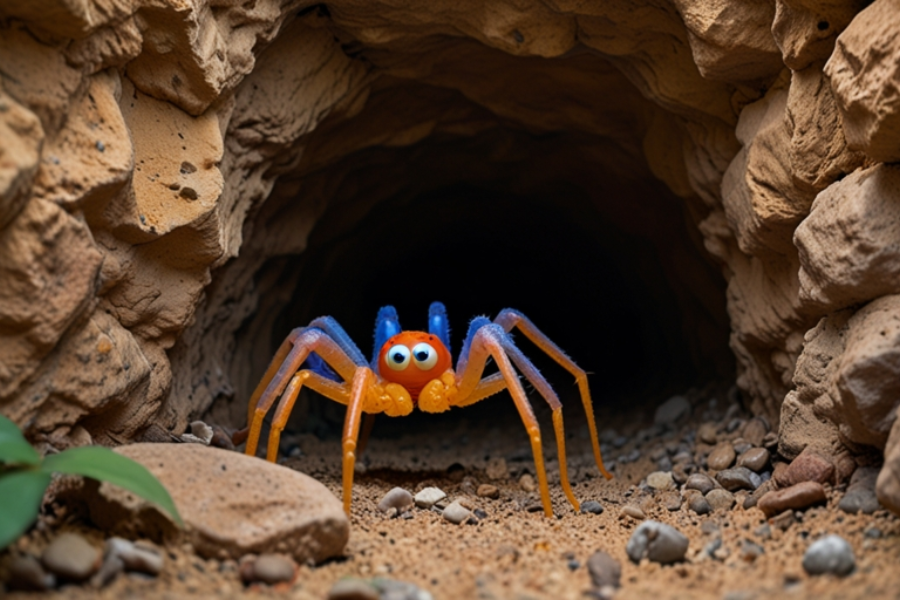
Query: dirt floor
[(516, 552)]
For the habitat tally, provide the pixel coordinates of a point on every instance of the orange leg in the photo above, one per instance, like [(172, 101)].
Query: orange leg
[(510, 319), (362, 381)]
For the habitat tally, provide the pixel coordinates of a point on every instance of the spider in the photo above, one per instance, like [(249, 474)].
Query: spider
[(412, 369)]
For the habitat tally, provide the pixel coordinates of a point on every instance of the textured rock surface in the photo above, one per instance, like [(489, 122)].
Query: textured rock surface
[(159, 162), (231, 504)]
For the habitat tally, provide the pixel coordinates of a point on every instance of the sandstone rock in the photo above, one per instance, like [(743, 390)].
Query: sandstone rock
[(888, 485), (801, 495), (809, 466), (866, 80), (232, 504), (805, 31), (22, 135)]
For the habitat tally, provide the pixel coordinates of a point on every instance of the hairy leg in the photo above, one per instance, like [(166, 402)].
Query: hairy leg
[(362, 381)]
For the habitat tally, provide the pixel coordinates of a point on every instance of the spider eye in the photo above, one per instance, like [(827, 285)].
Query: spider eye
[(397, 358), (425, 356)]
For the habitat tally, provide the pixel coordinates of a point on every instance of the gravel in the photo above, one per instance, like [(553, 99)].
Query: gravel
[(699, 505), (738, 478), (754, 459), (71, 557), (456, 513), (660, 480), (658, 542), (831, 554), (720, 499), (486, 490), (592, 506), (721, 457), (398, 499), (428, 497), (273, 568), (700, 482)]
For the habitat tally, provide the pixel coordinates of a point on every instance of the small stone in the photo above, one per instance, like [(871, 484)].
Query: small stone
[(111, 568), (707, 433), (391, 589), (671, 411), (456, 513), (700, 482), (497, 469), (783, 520), (658, 542), (754, 459), (795, 497), (71, 557), (398, 499), (26, 573), (486, 490), (720, 499), (141, 558), (428, 497), (755, 430), (526, 482), (273, 568), (604, 570), (351, 588), (831, 554), (859, 500), (671, 500), (738, 478), (679, 474), (770, 440), (659, 480), (201, 430), (808, 466), (699, 505), (634, 511), (721, 457), (592, 506), (573, 564), (750, 551)]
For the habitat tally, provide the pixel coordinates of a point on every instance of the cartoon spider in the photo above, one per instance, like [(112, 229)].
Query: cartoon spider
[(410, 369)]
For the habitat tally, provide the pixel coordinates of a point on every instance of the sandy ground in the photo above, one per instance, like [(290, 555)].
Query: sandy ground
[(520, 554)]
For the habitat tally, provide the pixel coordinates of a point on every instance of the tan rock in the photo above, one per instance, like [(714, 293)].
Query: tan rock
[(22, 134), (866, 80), (808, 466), (805, 30), (801, 495), (232, 504), (887, 486)]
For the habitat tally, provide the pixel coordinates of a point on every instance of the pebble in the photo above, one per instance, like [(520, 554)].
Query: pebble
[(721, 457), (658, 542), (808, 466), (391, 589), (797, 496), (526, 482), (831, 554), (700, 482), (497, 469), (750, 551), (351, 588), (456, 513), (660, 480), (26, 573), (699, 505), (707, 433), (428, 497), (755, 430), (592, 506), (738, 478), (859, 500), (720, 499), (273, 568), (604, 570), (71, 557), (671, 500), (139, 557), (486, 490), (784, 520), (671, 411), (398, 499), (754, 459), (634, 511)]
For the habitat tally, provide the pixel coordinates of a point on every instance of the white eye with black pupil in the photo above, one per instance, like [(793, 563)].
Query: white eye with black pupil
[(397, 357), (424, 356)]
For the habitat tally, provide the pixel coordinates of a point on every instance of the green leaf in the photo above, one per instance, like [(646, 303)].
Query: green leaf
[(21, 492), (14, 448), (103, 464)]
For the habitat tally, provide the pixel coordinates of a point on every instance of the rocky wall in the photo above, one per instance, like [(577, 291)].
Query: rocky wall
[(159, 158)]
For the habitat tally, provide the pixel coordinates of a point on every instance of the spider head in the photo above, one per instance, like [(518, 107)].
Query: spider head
[(412, 359)]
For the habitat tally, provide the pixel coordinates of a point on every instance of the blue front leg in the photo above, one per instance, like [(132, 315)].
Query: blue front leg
[(439, 324), (387, 325)]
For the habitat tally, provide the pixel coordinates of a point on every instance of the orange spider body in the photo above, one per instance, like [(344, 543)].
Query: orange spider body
[(413, 369)]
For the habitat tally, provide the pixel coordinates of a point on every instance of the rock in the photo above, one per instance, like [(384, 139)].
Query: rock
[(755, 430), (604, 570), (699, 504), (671, 411), (232, 504), (398, 499), (830, 554), (25, 573), (496, 469), (659, 480), (273, 568), (738, 478), (866, 81), (486, 490), (801, 495), (427, 497), (754, 459), (592, 506), (202, 432), (526, 482), (70, 556), (721, 457), (887, 488), (700, 482), (783, 520), (707, 433), (720, 499), (134, 557), (750, 551), (391, 589), (350, 588), (859, 500), (634, 511), (671, 500), (456, 513), (658, 542), (809, 466)]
